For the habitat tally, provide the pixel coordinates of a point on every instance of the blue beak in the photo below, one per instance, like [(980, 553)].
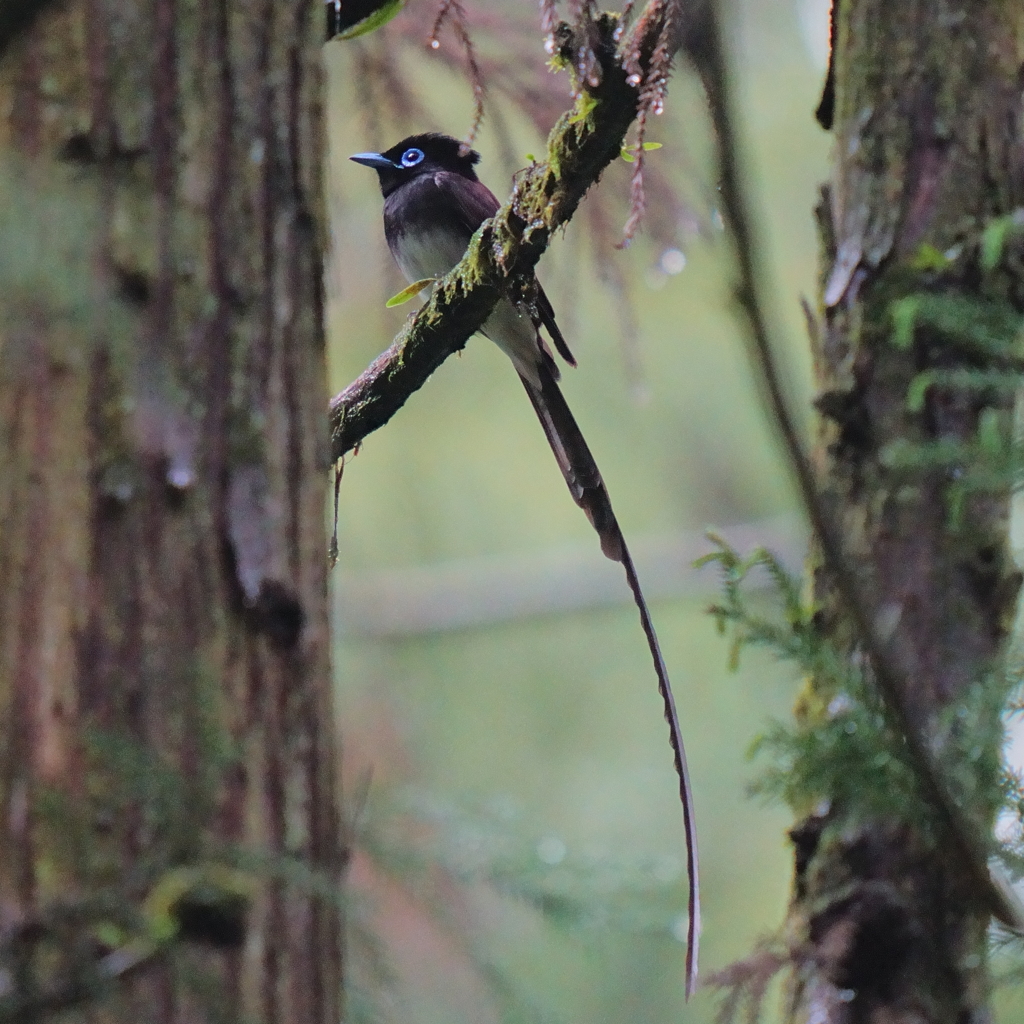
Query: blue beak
[(375, 160)]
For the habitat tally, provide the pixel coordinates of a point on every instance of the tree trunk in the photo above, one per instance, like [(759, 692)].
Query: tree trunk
[(169, 825), (928, 152)]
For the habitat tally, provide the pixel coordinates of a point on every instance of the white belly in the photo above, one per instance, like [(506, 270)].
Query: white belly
[(418, 259), (513, 332)]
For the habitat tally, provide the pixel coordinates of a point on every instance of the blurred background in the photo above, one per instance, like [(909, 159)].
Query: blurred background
[(507, 771)]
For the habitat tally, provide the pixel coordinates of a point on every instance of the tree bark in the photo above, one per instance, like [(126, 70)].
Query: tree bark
[(165, 696), (928, 152)]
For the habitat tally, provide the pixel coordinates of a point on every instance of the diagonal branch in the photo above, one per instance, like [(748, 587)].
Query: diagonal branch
[(503, 252)]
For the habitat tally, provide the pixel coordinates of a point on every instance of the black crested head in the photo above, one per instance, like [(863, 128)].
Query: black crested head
[(418, 155)]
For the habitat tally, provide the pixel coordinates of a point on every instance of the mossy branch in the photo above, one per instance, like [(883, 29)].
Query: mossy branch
[(503, 253)]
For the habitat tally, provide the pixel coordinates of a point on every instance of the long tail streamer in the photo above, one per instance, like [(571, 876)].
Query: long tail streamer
[(589, 492)]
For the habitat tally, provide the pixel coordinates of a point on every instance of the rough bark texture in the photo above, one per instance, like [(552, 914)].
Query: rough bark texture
[(165, 696), (928, 125)]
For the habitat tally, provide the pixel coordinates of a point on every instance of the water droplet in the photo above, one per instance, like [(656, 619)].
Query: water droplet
[(551, 850), (550, 46), (435, 44), (839, 705), (658, 108), (673, 261), (633, 80), (181, 477)]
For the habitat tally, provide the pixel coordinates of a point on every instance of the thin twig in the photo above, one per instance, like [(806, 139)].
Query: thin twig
[(454, 11), (889, 673)]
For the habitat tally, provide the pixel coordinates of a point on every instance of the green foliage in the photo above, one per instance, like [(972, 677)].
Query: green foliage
[(992, 462), (629, 152), (987, 334), (586, 104), (848, 758), (995, 237), (961, 379), (379, 17), (794, 637), (928, 258), (844, 749), (409, 292), (982, 328)]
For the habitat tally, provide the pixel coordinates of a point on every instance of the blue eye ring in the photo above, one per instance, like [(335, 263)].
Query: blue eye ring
[(411, 157)]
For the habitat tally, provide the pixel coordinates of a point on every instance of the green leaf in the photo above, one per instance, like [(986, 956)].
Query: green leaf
[(928, 257), (409, 293), (584, 105), (629, 152), (904, 315), (381, 16), (993, 239), (711, 556), (110, 934), (990, 433), (918, 389)]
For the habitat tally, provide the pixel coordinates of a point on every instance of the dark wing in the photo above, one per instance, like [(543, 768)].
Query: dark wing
[(472, 202)]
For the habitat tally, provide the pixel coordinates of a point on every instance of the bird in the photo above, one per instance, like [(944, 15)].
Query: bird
[(433, 204)]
